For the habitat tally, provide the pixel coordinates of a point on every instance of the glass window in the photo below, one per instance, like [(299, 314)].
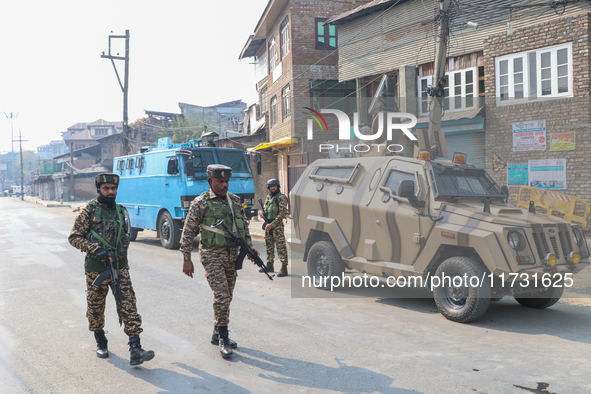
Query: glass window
[(235, 159), (544, 73), (273, 58), (286, 102), (284, 37), (460, 91), (394, 179), (326, 35), (333, 95), (201, 159), (274, 111)]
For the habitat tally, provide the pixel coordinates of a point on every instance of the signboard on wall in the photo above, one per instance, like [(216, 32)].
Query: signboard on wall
[(562, 141), (529, 136), (547, 174), (517, 174)]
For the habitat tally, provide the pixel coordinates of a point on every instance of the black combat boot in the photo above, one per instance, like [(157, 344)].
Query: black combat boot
[(137, 354), (215, 339), (269, 268), (283, 271), (101, 344), (225, 348)]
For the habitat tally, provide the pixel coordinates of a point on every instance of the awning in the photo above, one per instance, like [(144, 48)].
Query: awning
[(278, 144)]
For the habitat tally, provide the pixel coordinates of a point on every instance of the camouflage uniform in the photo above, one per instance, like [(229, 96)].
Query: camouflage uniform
[(276, 235), (219, 263), (107, 226)]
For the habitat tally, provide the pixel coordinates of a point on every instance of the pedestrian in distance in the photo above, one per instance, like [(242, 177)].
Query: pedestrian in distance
[(275, 210), (218, 260), (100, 230)]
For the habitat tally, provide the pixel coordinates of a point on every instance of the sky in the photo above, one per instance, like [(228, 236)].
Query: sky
[(52, 74)]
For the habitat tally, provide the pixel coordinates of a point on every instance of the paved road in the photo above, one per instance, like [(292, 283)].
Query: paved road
[(325, 344)]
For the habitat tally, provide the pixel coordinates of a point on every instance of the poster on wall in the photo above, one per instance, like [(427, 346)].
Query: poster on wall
[(529, 135), (547, 174), (517, 174), (562, 141)]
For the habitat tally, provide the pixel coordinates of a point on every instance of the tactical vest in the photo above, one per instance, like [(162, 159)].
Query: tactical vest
[(272, 206), (216, 211), (105, 216)]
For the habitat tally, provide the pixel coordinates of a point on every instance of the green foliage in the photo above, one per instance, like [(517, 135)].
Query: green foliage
[(31, 166)]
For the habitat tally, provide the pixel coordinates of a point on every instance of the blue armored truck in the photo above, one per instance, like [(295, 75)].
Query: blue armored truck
[(159, 182)]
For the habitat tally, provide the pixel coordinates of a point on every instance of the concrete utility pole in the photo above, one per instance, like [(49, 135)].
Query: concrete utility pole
[(124, 87), (22, 175), (436, 138)]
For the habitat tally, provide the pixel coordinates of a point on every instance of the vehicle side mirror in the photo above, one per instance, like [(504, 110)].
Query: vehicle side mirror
[(406, 189), (505, 190), (173, 167), (189, 170)]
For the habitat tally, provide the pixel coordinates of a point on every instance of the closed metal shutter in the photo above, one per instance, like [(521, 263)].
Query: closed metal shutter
[(470, 143)]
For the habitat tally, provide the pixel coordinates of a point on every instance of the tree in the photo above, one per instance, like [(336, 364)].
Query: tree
[(180, 129)]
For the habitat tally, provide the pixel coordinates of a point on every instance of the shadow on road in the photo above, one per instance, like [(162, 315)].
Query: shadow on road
[(173, 382), (343, 378)]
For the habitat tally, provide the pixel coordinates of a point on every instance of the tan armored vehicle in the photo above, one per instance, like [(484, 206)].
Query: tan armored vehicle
[(444, 222)]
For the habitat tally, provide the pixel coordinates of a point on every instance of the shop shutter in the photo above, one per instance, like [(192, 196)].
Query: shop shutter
[(470, 143)]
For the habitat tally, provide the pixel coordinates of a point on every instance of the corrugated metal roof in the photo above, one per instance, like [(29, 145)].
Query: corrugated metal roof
[(450, 116), (405, 34)]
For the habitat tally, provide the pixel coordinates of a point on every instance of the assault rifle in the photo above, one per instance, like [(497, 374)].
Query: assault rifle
[(245, 249), (267, 221), (111, 272)]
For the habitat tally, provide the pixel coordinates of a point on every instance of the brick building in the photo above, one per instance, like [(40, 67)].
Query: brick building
[(512, 75), (295, 66)]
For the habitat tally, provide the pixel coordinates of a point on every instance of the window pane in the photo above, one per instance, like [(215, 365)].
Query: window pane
[(519, 91), (563, 85), (504, 67), (504, 80), (546, 59), (332, 30), (518, 78), (469, 77), (504, 93), (546, 73), (457, 79), (321, 40), (562, 56), (533, 75), (562, 71), (332, 42), (546, 88), (458, 102), (469, 101), (320, 29), (458, 91), (469, 90), (517, 65)]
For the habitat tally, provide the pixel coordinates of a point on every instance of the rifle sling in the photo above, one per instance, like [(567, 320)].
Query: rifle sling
[(106, 244)]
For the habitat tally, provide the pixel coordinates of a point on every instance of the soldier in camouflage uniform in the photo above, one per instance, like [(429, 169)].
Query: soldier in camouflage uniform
[(219, 261), (101, 228), (276, 210)]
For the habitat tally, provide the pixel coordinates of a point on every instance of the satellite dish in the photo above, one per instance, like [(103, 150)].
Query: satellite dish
[(378, 102)]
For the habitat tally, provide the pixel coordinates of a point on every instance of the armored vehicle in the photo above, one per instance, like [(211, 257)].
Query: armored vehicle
[(443, 221)]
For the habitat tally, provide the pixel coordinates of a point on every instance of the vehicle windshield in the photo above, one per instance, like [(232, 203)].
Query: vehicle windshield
[(461, 182), (235, 159), (201, 159)]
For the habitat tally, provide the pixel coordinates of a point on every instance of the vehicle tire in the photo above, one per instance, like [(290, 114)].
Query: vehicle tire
[(131, 231), (465, 302), (324, 260), (542, 299), (170, 231)]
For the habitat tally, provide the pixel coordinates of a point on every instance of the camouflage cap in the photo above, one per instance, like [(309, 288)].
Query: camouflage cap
[(106, 178), (219, 171)]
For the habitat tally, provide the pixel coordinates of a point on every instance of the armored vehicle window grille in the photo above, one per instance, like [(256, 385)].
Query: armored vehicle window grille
[(555, 247), (541, 252), (394, 179), (565, 249), (569, 241), (465, 182), (129, 164), (335, 173), (235, 159), (544, 243), (201, 159)]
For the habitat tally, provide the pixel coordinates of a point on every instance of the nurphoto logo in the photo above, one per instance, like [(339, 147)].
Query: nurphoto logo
[(392, 122)]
